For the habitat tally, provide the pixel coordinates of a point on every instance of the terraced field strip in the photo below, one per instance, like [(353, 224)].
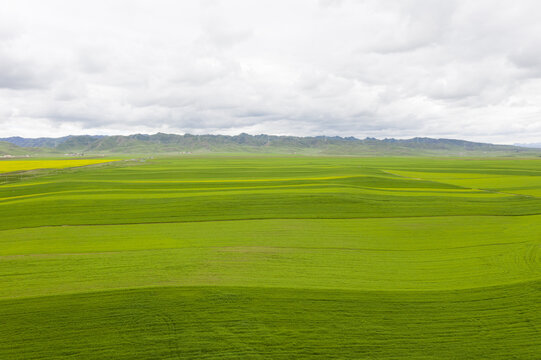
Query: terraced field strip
[(365, 254)]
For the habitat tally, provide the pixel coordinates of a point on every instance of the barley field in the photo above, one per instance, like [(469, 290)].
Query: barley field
[(230, 257)]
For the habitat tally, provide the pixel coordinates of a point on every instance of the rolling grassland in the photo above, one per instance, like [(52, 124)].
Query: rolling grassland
[(238, 257)]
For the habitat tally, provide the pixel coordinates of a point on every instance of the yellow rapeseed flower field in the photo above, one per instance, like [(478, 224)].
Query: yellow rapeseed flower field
[(23, 165)]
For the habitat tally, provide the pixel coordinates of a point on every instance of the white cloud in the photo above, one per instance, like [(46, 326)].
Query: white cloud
[(388, 68)]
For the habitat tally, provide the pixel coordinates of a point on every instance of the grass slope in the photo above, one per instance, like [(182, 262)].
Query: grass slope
[(239, 323), (7, 148), (273, 257)]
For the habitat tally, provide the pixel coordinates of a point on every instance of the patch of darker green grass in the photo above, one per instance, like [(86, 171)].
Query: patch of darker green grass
[(233, 323)]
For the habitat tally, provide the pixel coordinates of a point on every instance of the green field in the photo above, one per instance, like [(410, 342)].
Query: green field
[(241, 257)]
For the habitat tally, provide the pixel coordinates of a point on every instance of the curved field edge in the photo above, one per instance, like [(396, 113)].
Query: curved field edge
[(499, 322)]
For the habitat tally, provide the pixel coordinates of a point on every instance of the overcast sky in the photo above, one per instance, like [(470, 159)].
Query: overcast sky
[(456, 69)]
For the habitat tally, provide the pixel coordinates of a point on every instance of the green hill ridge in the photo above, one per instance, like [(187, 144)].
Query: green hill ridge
[(246, 143)]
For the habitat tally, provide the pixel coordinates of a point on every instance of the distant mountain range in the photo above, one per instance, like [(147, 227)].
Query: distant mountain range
[(42, 142), (245, 143), (531, 145)]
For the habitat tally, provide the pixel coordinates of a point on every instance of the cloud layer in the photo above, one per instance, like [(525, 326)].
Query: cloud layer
[(392, 68)]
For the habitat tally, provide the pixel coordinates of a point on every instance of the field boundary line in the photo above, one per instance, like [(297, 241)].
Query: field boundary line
[(465, 187), (315, 289), (274, 218)]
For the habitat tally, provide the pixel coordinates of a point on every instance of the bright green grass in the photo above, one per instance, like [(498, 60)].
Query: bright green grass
[(384, 254), (273, 257), (504, 184)]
